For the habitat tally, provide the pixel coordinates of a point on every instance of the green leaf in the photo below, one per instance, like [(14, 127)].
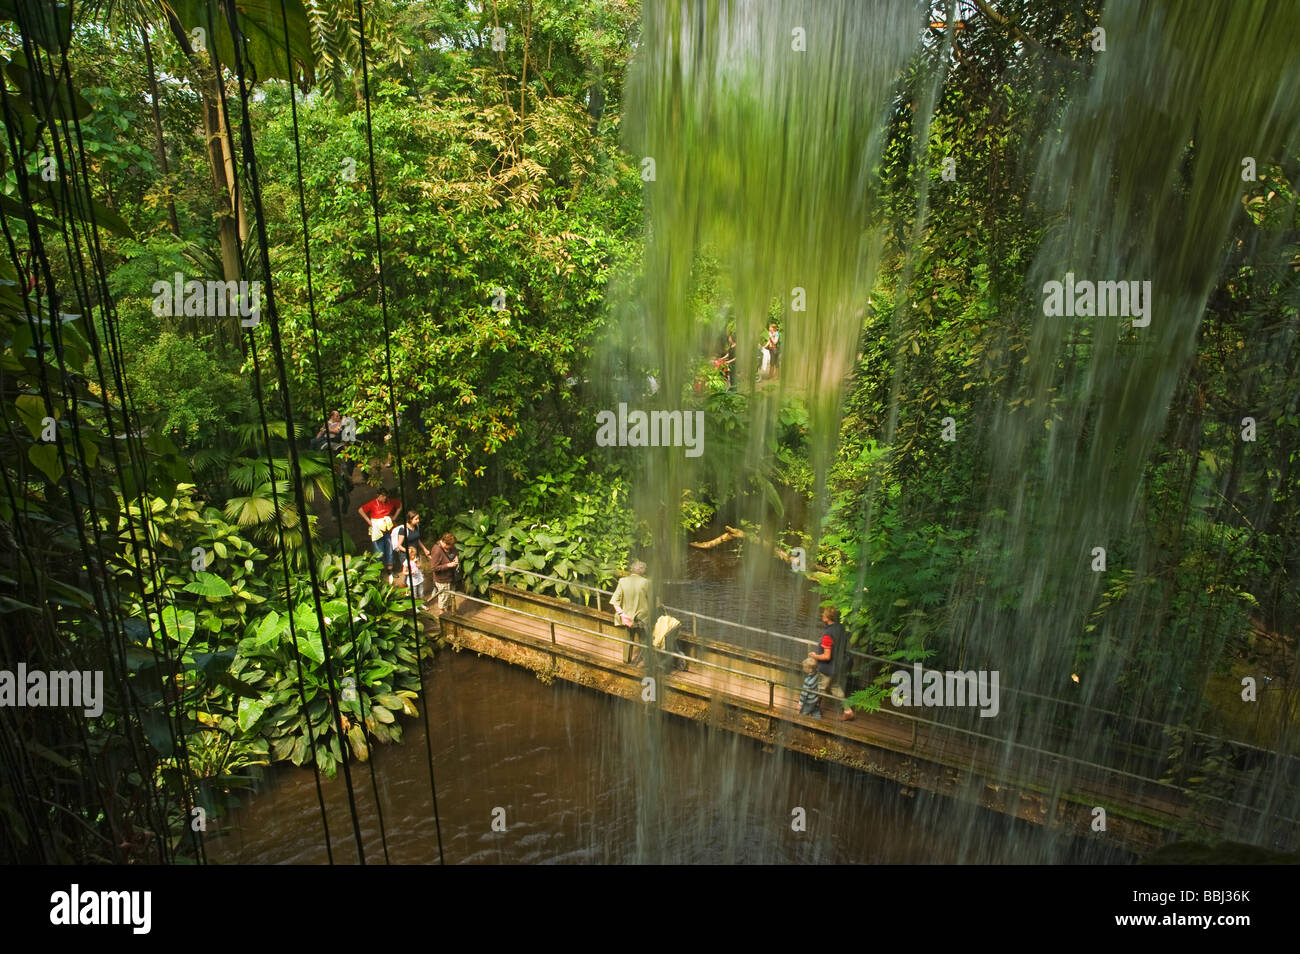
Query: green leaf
[(209, 585), (270, 629), (31, 408), (250, 710), (46, 458)]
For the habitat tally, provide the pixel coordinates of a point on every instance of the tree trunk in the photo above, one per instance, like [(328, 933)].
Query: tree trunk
[(231, 226), (157, 124)]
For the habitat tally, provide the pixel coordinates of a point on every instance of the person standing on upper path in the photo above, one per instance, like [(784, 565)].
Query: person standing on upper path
[(727, 359), (445, 561), (631, 602), (666, 636), (378, 515), (406, 536), (412, 576), (773, 348)]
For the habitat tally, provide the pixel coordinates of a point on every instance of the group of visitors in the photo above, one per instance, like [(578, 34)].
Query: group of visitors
[(769, 356), (632, 604), (399, 544)]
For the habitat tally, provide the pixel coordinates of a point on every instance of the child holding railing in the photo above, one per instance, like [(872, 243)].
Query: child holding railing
[(809, 701)]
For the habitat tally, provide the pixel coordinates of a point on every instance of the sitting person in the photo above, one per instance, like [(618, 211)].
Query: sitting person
[(330, 433)]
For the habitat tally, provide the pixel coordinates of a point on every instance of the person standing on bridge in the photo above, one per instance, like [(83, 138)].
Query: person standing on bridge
[(832, 633), (446, 561), (631, 602), (810, 704)]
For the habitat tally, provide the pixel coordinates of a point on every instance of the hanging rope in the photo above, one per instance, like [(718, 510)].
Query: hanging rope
[(275, 499), (320, 388), (392, 396), (38, 255), (277, 351), (176, 725)]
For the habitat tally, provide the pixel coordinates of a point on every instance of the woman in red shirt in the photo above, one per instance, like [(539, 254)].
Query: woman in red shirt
[(375, 513)]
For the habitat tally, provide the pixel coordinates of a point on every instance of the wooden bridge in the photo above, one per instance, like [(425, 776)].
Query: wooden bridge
[(747, 681)]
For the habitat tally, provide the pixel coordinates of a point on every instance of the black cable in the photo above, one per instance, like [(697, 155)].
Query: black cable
[(270, 463), (320, 387), (176, 722), (38, 256), (392, 399), (277, 351)]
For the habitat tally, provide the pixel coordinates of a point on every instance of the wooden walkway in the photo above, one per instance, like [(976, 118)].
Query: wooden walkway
[(756, 693)]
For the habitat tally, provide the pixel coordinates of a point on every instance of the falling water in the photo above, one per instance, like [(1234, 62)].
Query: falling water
[(759, 128)]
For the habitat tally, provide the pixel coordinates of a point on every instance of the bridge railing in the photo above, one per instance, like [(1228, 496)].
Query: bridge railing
[(550, 621), (1142, 744)]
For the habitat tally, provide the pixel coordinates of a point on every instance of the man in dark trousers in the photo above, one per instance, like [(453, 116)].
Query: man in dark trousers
[(445, 562), (833, 634), (631, 602)]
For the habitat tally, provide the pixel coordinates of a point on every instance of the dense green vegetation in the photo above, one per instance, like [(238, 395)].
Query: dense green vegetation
[(511, 230)]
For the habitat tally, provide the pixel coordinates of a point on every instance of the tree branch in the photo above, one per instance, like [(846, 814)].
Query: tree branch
[(1002, 21)]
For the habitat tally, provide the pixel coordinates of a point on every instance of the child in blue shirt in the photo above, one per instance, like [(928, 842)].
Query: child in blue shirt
[(809, 702)]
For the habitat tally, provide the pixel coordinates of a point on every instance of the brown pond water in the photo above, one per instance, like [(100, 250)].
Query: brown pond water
[(584, 777)]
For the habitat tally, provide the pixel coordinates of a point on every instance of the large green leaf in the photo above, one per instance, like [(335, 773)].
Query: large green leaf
[(209, 585), (179, 624), (31, 408), (269, 630), (250, 710), (46, 458), (310, 643), (262, 25)]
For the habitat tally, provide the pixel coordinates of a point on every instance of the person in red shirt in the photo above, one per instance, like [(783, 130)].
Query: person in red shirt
[(833, 630), (378, 515)]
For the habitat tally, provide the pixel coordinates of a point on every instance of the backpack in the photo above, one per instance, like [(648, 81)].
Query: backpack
[(397, 540)]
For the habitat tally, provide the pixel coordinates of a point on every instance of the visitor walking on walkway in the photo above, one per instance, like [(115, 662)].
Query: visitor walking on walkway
[(809, 701), (406, 536), (666, 637), (446, 563), (833, 633), (412, 576), (378, 515), (726, 360), (631, 602), (772, 363)]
